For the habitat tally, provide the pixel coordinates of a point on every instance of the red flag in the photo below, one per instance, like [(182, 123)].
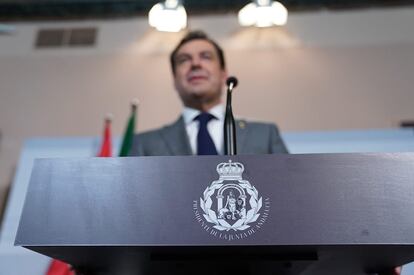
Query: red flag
[(59, 268), (106, 148)]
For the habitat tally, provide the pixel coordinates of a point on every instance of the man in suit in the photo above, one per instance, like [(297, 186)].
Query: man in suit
[(199, 72)]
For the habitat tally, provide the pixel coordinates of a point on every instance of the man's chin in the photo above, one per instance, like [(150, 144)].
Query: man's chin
[(199, 90), (198, 85)]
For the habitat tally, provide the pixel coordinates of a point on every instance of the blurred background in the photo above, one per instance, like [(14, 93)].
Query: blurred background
[(325, 65)]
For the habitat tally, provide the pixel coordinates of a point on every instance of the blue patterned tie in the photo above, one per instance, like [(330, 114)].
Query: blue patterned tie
[(205, 145)]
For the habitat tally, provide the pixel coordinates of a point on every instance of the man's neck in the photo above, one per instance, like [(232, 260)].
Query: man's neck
[(204, 106)]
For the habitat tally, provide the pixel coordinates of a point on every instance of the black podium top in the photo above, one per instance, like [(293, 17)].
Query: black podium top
[(314, 214)]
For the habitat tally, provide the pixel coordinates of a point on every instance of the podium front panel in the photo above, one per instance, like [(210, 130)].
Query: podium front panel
[(279, 204)]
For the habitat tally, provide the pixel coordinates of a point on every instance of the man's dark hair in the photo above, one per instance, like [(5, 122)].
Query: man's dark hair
[(197, 35)]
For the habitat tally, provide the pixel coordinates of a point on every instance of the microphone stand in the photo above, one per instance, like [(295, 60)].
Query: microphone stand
[(229, 124)]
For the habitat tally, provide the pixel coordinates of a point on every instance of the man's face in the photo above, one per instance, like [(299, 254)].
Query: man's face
[(198, 76)]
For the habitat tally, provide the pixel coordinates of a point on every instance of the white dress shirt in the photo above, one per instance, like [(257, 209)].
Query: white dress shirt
[(214, 127)]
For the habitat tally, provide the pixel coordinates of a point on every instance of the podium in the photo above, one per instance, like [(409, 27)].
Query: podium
[(251, 214)]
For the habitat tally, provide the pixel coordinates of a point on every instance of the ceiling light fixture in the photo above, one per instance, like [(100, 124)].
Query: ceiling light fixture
[(169, 16), (263, 13)]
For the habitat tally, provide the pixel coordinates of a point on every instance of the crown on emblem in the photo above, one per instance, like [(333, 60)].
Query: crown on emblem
[(233, 170)]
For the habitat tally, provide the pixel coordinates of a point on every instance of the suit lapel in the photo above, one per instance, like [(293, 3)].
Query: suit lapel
[(241, 133), (175, 136)]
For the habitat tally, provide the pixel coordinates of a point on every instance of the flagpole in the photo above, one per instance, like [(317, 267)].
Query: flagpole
[(134, 104), (109, 117)]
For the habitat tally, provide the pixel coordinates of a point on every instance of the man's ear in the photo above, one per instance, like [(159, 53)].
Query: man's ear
[(175, 82)]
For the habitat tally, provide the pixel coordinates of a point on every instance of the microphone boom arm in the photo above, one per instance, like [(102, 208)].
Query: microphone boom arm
[(230, 147)]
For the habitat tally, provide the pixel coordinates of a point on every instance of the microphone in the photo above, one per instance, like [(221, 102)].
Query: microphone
[(229, 124), (231, 82)]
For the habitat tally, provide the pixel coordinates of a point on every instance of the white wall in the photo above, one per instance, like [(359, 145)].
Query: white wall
[(324, 70)]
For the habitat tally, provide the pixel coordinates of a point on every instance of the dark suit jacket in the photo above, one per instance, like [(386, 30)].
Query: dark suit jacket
[(172, 140)]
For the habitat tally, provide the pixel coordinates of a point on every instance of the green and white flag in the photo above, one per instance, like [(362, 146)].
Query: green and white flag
[(129, 132)]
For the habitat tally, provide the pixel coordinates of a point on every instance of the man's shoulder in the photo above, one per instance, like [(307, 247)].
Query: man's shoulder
[(162, 141), (149, 133), (259, 137), (153, 133), (256, 123), (253, 124)]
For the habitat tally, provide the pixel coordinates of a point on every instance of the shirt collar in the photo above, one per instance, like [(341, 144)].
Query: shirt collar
[(189, 114)]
